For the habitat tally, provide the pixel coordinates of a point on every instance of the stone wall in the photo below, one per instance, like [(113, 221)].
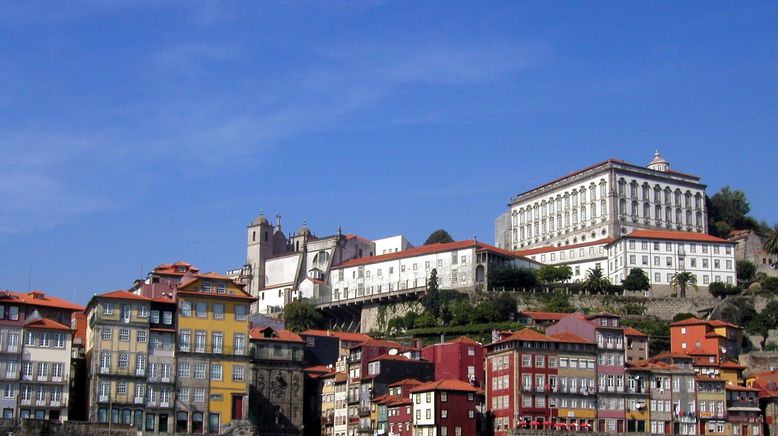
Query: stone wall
[(375, 316), (759, 361)]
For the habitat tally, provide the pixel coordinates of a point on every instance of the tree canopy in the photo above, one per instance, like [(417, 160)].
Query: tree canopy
[(595, 282), (554, 274), (636, 280), (728, 210), (771, 240), (682, 280), (438, 236), (512, 278), (746, 272), (300, 315)]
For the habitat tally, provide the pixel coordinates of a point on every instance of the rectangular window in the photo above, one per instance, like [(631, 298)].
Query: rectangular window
[(154, 317), (199, 341), (183, 369), (107, 308), (240, 312), (216, 371), (185, 308), (105, 334), (143, 311), (217, 342), (220, 287), (184, 340), (199, 395), (142, 336), (218, 311), (201, 309), (238, 373), (199, 371), (124, 334), (167, 317)]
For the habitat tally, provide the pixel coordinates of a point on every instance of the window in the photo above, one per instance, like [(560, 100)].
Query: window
[(184, 340), (123, 360), (444, 413), (206, 286), (199, 341), (216, 371), (183, 369), (201, 309), (124, 334), (199, 371), (105, 360), (443, 397), (217, 342), (240, 312), (140, 362), (238, 373), (220, 287), (107, 308), (154, 317), (218, 311), (142, 336), (167, 317), (125, 315), (186, 308), (199, 395)]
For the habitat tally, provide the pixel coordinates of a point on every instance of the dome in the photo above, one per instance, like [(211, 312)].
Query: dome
[(260, 220), (303, 230), (658, 163)]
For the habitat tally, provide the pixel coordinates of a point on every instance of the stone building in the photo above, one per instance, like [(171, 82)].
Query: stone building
[(276, 390), (750, 246)]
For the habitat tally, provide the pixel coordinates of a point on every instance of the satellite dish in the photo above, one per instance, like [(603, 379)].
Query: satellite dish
[(392, 352)]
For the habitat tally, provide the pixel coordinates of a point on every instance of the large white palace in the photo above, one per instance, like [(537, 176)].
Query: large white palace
[(605, 200), (618, 216)]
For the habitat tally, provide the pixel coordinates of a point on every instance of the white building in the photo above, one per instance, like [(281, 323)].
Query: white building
[(661, 254), (392, 244), (580, 257), (459, 265), (605, 200)]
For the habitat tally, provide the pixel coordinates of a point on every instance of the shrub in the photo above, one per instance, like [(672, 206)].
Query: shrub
[(770, 284), (721, 290)]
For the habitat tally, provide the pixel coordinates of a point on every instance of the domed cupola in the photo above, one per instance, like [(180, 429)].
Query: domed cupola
[(658, 164), (260, 220)]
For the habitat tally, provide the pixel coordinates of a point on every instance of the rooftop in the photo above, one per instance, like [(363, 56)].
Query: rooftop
[(444, 385)]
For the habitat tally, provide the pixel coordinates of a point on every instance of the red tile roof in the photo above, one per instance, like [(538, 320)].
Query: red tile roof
[(444, 385), (212, 275), (38, 298), (738, 388), (343, 336), (428, 249), (544, 316), (548, 249), (45, 323), (570, 338), (463, 340), (79, 336), (239, 295), (673, 235), (170, 268), (526, 335), (379, 343), (122, 295), (731, 365), (257, 333), (405, 382), (630, 331), (394, 357)]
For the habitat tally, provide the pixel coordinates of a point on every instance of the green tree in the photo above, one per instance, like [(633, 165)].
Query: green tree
[(595, 282), (746, 272), (431, 299), (554, 274), (728, 210), (739, 312), (300, 315), (512, 278), (682, 280), (721, 290), (771, 240), (461, 312), (438, 237), (558, 302), (770, 283), (636, 280)]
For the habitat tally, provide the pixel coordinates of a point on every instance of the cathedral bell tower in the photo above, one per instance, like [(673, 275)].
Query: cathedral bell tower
[(259, 247)]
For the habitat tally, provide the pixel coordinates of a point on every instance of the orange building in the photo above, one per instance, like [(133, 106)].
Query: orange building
[(714, 337)]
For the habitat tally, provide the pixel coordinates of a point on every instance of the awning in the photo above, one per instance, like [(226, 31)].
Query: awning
[(743, 409)]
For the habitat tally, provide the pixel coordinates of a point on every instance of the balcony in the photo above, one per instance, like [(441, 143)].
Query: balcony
[(103, 398), (166, 379), (105, 370), (43, 378), (40, 402), (140, 372), (151, 403), (13, 348), (55, 403), (25, 402), (138, 400), (57, 379), (164, 404)]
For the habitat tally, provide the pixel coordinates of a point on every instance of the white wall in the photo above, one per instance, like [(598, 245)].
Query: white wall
[(392, 244)]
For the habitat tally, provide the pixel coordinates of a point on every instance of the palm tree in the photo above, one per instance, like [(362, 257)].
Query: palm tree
[(681, 280), (771, 240), (595, 282)]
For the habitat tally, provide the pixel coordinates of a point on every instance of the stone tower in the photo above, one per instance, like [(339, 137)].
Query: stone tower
[(259, 247)]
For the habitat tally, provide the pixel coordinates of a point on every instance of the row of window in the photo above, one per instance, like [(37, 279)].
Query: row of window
[(217, 310), (546, 227), (559, 203), (360, 272), (682, 247), (37, 370), (39, 394), (695, 219), (681, 262), (159, 423), (216, 345)]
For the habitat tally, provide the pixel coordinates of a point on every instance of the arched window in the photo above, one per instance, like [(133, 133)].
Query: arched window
[(582, 194), (688, 217), (514, 218), (688, 200), (668, 194), (124, 360), (677, 198), (698, 219), (698, 201), (634, 209), (105, 359), (592, 192), (197, 422), (633, 189), (583, 213), (668, 215), (253, 236), (574, 195), (593, 209), (646, 189), (622, 207), (266, 236), (622, 187), (657, 194), (603, 188), (658, 213), (678, 216), (140, 362), (646, 211)]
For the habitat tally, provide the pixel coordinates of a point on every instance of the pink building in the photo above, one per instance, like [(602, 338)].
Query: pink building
[(458, 359)]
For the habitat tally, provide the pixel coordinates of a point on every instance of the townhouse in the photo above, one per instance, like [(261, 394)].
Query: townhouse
[(445, 408), (459, 359), (574, 385), (715, 337), (35, 355)]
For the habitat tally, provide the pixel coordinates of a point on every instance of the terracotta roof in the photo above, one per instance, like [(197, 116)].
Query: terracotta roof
[(668, 354), (428, 249), (79, 335), (38, 298), (343, 336), (630, 331), (711, 323), (282, 335), (405, 382), (602, 315), (45, 323), (699, 352), (353, 236), (570, 338), (400, 402), (121, 295), (548, 249), (395, 357), (379, 343), (444, 385), (672, 235), (544, 316), (731, 365), (163, 299), (527, 335), (720, 323), (738, 388), (463, 340), (240, 294), (170, 268)]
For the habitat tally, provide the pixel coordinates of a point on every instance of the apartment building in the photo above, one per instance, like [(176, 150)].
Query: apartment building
[(458, 359), (719, 338), (445, 408), (573, 387), (35, 350)]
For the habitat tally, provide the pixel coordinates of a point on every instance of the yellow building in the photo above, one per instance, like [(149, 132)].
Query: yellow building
[(116, 350), (574, 394), (712, 405), (213, 363), (328, 402)]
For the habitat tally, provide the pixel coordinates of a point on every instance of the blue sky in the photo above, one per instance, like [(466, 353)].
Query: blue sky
[(133, 134)]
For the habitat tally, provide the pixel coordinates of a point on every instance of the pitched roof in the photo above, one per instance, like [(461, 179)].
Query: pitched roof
[(731, 365), (38, 298), (444, 385), (387, 356), (258, 333), (570, 338), (673, 235), (79, 335), (239, 294), (379, 343), (544, 316), (463, 340), (526, 335), (171, 268), (45, 323), (343, 336), (731, 387), (122, 295), (429, 249), (547, 249), (631, 331), (405, 382)]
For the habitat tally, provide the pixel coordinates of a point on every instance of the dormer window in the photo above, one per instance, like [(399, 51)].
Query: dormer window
[(206, 286), (37, 295), (180, 269), (220, 287)]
